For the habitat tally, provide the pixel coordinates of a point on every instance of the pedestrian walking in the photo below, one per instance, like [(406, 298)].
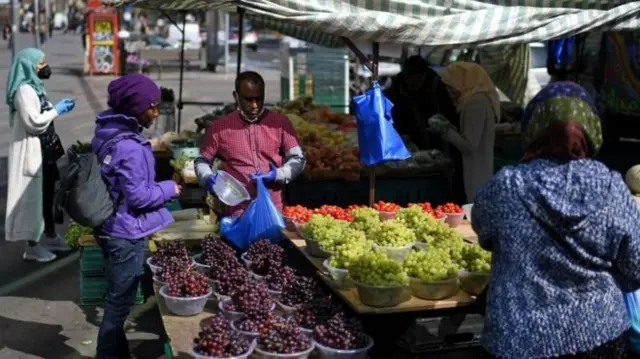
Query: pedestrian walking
[(33, 148), (128, 168), (565, 235)]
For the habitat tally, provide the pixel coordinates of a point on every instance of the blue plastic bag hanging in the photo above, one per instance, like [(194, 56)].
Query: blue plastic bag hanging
[(559, 54), (260, 220), (632, 303), (378, 140)]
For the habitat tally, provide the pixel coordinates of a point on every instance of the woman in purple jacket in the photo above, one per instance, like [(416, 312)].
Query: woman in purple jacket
[(128, 169)]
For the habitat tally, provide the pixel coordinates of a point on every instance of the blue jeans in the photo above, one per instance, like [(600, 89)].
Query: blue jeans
[(123, 260)]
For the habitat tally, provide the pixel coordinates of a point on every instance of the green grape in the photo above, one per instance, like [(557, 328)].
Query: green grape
[(375, 268), (326, 230), (393, 233), (475, 259), (355, 245), (430, 265), (365, 219), (412, 217)]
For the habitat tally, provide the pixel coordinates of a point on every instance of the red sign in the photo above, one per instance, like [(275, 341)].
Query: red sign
[(94, 4), (103, 43)]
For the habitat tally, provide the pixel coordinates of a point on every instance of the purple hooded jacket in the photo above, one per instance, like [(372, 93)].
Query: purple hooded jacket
[(128, 168)]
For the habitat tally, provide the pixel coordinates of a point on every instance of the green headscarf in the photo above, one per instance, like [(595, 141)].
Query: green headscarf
[(23, 71)]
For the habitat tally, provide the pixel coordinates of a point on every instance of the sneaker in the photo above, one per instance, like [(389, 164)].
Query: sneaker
[(55, 244), (38, 253)]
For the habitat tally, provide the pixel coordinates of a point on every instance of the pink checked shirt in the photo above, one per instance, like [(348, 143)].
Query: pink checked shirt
[(246, 148)]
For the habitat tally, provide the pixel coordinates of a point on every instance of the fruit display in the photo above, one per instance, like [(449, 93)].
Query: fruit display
[(450, 208), (188, 284), (392, 233), (376, 269), (315, 312), (382, 206), (354, 246), (170, 252), (335, 212), (264, 248), (284, 338), (172, 267), (430, 265), (257, 322), (475, 259), (300, 291), (427, 208), (74, 232), (365, 219), (299, 214), (252, 297), (218, 340), (276, 280), (325, 230), (341, 333), (214, 249), (232, 280)]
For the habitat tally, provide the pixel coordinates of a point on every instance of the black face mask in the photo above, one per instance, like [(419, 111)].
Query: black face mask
[(44, 73)]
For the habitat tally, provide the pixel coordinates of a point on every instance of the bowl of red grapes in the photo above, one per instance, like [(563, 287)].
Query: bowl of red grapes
[(170, 254), (186, 294), (229, 310), (217, 341), (341, 337), (283, 340), (297, 293)]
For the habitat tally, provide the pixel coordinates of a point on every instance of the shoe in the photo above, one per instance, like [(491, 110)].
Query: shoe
[(55, 244), (38, 253)]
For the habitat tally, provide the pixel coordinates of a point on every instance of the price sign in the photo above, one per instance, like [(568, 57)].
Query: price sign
[(102, 31), (103, 49)]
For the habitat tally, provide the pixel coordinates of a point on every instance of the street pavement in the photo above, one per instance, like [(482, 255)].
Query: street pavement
[(39, 312)]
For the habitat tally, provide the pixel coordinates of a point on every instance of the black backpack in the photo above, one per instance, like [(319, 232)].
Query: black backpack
[(83, 193)]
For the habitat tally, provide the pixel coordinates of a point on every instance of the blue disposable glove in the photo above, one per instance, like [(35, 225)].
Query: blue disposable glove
[(65, 105), (212, 181), (267, 177)]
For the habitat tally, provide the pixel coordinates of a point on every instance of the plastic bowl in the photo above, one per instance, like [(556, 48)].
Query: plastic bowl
[(324, 352), (467, 211), (382, 296), (290, 223), (398, 254), (247, 262), (185, 307), (385, 216), (454, 219), (275, 294), (229, 190), (228, 313), (473, 282), (339, 276), (248, 335), (298, 227), (157, 281), (261, 354), (286, 310), (314, 250), (242, 356), (307, 332), (420, 245), (434, 290), (154, 268), (254, 277), (202, 268)]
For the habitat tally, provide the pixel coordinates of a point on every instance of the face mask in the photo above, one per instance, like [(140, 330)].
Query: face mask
[(249, 117), (44, 73)]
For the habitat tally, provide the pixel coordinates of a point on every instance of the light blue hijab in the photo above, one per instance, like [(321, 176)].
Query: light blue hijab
[(23, 71)]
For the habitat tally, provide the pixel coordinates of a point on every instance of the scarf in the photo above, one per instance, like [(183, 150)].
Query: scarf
[(23, 71), (470, 79)]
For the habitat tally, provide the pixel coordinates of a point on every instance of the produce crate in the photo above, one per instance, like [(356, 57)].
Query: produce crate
[(173, 205), (93, 289), (91, 261)]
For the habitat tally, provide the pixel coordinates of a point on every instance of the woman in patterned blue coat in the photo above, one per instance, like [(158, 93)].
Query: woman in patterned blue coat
[(565, 236)]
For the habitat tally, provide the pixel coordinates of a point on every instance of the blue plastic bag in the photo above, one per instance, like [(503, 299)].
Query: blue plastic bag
[(260, 220), (559, 54), (632, 303), (378, 140)]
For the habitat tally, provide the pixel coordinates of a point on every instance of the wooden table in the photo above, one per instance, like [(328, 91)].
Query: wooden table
[(350, 295)]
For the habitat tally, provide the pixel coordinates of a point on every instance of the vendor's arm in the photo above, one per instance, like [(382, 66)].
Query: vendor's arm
[(472, 125), (27, 106), (294, 160), (137, 191), (208, 151), (484, 211)]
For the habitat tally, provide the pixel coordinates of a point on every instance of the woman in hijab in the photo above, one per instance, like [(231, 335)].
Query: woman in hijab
[(128, 168), (565, 235), (32, 169), (478, 103)]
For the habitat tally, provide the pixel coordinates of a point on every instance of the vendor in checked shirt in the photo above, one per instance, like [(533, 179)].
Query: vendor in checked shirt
[(252, 142)]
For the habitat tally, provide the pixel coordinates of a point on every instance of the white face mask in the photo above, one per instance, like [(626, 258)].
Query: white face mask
[(249, 117)]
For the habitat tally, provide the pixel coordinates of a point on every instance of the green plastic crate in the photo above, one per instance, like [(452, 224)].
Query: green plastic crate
[(91, 261), (92, 290)]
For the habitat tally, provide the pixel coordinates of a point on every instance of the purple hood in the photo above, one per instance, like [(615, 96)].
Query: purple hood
[(128, 169)]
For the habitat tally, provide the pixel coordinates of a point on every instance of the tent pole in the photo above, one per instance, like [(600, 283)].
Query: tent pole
[(180, 104), (240, 36), (374, 76)]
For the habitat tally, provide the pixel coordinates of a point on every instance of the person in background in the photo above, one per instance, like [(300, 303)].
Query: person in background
[(417, 93), (478, 103), (564, 232), (30, 116), (43, 25), (128, 168), (251, 141)]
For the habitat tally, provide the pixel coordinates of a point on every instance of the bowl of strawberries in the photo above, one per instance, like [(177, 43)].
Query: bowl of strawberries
[(454, 213), (386, 210)]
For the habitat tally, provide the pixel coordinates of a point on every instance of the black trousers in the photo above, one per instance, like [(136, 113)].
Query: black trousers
[(50, 175)]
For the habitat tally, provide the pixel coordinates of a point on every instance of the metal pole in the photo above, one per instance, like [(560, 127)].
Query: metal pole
[(36, 22), (374, 76), (240, 36), (47, 17), (15, 26), (184, 28), (226, 42)]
